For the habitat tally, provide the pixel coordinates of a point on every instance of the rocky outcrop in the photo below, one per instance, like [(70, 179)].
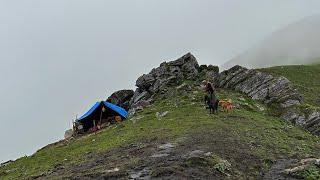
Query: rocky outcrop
[(169, 73), (121, 98), (260, 86), (269, 89), (311, 121), (210, 73), (257, 85)]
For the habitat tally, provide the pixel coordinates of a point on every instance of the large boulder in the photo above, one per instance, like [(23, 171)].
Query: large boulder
[(121, 98), (167, 74), (68, 134)]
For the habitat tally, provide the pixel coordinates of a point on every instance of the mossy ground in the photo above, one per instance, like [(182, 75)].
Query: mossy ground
[(247, 137)]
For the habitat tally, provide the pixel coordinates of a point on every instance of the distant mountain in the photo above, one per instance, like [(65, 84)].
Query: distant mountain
[(298, 43)]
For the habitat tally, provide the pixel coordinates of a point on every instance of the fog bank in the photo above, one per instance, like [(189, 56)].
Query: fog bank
[(298, 43)]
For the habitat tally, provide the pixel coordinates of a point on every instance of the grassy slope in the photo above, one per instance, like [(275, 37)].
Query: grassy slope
[(268, 138), (305, 78)]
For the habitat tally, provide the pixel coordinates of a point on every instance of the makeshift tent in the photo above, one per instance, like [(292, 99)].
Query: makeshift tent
[(100, 110)]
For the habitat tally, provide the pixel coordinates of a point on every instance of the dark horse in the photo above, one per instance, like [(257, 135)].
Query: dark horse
[(212, 102)]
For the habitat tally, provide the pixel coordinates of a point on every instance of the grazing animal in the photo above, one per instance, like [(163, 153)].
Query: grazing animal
[(212, 103), (226, 104)]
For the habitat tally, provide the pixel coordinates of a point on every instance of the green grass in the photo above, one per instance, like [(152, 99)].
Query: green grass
[(305, 78), (310, 173), (186, 117)]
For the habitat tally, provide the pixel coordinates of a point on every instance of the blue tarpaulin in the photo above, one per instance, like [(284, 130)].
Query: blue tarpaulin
[(120, 111)]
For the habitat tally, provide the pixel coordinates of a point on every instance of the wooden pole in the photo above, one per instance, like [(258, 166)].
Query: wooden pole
[(101, 115)]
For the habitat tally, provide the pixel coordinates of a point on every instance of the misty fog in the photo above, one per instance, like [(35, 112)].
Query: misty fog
[(297, 43)]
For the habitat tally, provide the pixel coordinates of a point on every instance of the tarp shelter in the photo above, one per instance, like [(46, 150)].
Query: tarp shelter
[(100, 110)]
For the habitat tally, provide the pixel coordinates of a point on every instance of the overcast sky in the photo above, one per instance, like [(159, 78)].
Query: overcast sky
[(58, 57)]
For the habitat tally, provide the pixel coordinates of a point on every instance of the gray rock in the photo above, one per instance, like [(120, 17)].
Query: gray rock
[(314, 115), (260, 86), (68, 134), (166, 146), (143, 174), (213, 68), (301, 121), (211, 73), (203, 67), (184, 87), (121, 98), (196, 153), (167, 74), (190, 71), (225, 76), (141, 103), (132, 112), (160, 155), (139, 96), (158, 85), (160, 115), (175, 70), (160, 72), (290, 116), (313, 123), (145, 81), (289, 103)]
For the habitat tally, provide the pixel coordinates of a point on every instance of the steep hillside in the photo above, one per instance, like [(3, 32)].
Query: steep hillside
[(186, 143), (296, 44), (174, 137)]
